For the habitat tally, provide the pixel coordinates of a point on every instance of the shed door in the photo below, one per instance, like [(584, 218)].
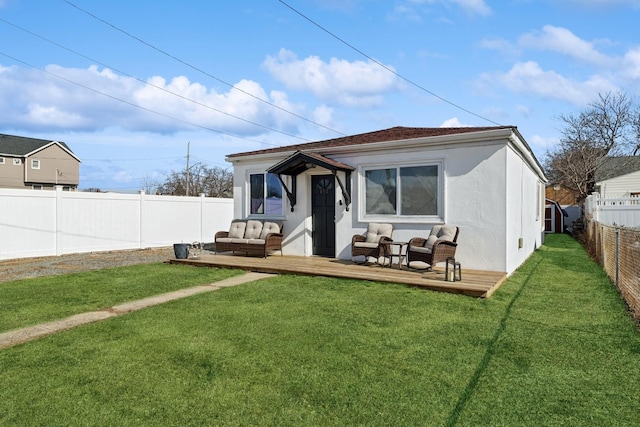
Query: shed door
[(323, 214)]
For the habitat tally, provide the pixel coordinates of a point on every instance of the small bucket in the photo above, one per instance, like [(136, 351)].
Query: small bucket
[(181, 250)]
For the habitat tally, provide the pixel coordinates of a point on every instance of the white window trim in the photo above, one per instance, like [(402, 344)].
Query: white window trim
[(17, 162), (247, 198), (397, 218), (33, 162)]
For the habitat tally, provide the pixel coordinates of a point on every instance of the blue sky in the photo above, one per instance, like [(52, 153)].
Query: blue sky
[(128, 85)]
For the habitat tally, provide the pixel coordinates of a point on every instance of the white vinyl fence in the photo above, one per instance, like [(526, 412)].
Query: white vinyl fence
[(619, 211), (46, 223)]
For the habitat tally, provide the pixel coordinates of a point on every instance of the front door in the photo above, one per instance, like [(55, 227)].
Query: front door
[(323, 215)]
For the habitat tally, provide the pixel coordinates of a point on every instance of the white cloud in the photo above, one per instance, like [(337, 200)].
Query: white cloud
[(453, 123), (543, 143), (353, 84), (631, 64), (530, 78), (35, 101), (561, 40)]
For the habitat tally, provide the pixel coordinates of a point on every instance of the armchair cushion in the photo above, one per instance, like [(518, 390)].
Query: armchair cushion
[(375, 231), (440, 232)]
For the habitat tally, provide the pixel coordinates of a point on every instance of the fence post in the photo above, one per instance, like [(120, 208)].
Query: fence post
[(617, 254)]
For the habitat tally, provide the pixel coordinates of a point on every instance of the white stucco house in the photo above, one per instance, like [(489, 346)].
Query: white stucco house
[(485, 180)]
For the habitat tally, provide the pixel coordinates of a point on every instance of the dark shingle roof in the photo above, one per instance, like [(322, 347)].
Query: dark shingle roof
[(612, 167), (19, 145), (392, 134)]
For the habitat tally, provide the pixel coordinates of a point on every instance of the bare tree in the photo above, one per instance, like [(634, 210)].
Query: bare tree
[(609, 127), (213, 182), (150, 185)]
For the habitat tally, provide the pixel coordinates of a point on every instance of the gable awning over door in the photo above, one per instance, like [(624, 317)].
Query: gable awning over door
[(300, 161)]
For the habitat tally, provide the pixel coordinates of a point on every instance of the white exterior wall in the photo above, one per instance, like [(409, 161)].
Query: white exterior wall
[(489, 193), (620, 186), (525, 214), (46, 223)]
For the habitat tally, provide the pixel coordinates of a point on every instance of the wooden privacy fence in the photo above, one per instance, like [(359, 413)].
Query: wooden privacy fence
[(46, 223), (617, 249)]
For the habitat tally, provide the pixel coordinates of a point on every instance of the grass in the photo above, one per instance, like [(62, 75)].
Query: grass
[(32, 301), (554, 346)]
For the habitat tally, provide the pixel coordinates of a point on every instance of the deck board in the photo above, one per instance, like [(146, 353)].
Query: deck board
[(474, 282)]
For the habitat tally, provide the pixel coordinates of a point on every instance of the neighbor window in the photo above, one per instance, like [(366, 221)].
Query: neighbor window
[(1, 160), (17, 162), (35, 164), (403, 191), (265, 194), (36, 186)]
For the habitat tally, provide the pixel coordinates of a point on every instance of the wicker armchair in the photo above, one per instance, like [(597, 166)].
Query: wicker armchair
[(368, 245), (440, 245)]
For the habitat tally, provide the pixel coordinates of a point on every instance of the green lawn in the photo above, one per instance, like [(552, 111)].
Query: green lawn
[(554, 346), (32, 301)]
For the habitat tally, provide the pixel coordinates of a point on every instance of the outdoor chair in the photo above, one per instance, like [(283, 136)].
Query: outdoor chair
[(368, 245), (437, 247)]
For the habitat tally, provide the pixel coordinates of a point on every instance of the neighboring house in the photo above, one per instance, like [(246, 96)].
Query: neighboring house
[(37, 164), (618, 177), (567, 201), (484, 180)]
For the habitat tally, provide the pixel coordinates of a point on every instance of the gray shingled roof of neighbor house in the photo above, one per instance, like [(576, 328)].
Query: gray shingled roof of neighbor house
[(11, 145)]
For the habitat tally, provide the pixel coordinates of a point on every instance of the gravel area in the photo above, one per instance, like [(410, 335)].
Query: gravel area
[(26, 268)]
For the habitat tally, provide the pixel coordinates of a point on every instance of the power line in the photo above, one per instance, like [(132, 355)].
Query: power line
[(175, 58), (150, 84), (387, 68)]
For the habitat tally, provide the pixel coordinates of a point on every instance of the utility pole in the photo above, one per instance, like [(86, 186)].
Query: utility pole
[(188, 143)]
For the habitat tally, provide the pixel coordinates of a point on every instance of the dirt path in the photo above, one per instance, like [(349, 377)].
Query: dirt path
[(19, 336)]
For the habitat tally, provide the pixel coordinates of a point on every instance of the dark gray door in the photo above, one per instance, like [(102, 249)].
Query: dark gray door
[(323, 211)]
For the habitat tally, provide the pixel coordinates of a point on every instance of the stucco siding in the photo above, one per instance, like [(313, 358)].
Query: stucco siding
[(524, 216)]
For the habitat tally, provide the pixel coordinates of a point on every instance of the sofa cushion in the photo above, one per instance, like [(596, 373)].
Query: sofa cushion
[(256, 241), (269, 227), (240, 241), (430, 241), (375, 231), (224, 240), (236, 231), (253, 230)]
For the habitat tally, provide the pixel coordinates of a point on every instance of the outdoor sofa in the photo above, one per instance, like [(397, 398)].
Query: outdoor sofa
[(251, 236)]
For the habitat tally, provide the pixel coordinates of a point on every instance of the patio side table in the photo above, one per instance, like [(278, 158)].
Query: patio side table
[(389, 253)]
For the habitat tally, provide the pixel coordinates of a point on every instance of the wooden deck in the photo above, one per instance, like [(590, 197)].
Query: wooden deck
[(474, 283)]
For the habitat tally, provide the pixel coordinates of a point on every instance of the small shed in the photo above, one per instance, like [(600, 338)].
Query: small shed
[(554, 217)]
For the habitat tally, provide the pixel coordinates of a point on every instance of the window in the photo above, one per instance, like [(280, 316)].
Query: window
[(36, 186), (265, 194), (35, 164), (17, 162), (403, 191), (1, 160)]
